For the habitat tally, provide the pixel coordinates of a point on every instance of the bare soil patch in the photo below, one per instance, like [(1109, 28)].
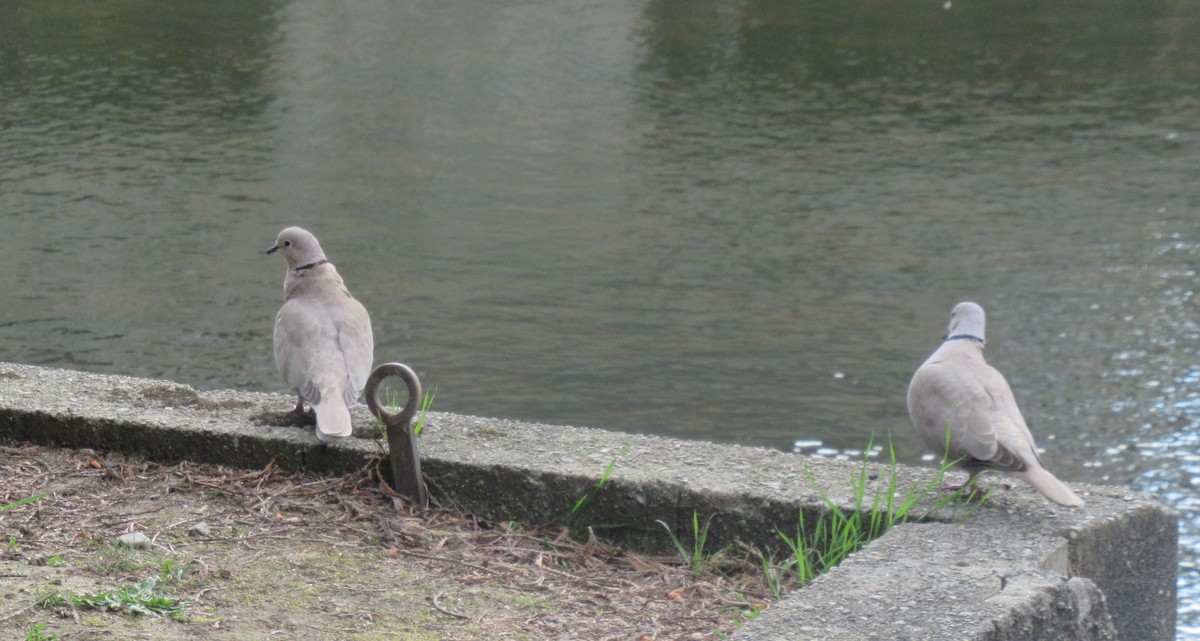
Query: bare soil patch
[(289, 556)]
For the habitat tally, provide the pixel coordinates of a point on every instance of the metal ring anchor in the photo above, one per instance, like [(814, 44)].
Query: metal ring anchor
[(402, 445)]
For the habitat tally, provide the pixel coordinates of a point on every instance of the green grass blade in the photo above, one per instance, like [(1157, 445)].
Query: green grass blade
[(674, 539), (425, 404), (25, 501), (586, 499)]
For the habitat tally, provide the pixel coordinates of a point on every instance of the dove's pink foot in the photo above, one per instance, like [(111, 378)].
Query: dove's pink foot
[(969, 490)]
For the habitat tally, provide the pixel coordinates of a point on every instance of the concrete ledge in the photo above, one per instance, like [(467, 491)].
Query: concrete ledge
[(1018, 568)]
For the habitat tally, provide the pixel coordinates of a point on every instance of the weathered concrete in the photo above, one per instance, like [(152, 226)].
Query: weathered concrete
[(1018, 568)]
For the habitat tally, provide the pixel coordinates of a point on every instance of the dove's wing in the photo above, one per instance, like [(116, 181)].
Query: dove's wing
[(297, 332), (355, 342)]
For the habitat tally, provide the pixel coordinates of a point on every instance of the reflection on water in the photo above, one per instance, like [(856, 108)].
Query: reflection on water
[(735, 220), (1160, 377)]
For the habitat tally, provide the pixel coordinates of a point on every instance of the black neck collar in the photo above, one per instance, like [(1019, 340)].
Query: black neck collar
[(965, 337), (311, 265)]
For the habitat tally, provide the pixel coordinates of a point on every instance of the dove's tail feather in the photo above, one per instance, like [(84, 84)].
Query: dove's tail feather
[(1054, 489), (333, 420)]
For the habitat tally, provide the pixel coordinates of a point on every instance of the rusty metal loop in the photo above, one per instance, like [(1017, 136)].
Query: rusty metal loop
[(402, 443), (411, 381)]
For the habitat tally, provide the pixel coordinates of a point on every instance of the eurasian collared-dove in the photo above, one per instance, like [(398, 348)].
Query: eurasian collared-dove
[(956, 390), (323, 341)]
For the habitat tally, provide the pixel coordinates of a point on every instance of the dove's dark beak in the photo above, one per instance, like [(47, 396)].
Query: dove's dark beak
[(273, 249)]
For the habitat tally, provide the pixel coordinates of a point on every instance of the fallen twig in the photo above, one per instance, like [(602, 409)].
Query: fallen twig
[(437, 606)]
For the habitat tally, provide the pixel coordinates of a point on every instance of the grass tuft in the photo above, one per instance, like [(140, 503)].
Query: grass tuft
[(392, 402), (818, 546), (822, 541), (696, 556), (174, 574)]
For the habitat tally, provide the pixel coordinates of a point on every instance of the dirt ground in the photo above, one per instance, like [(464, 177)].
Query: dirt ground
[(299, 556)]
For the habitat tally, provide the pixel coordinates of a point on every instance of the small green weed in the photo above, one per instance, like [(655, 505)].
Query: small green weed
[(836, 534), (775, 574), (823, 540), (37, 632), (117, 559), (747, 610), (392, 402), (173, 573), (696, 556), (138, 599), (586, 499), (425, 403)]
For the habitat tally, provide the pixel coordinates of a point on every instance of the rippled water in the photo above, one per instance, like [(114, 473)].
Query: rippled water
[(740, 221)]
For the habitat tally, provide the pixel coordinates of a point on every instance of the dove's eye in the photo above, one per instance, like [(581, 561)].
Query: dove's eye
[(287, 243)]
